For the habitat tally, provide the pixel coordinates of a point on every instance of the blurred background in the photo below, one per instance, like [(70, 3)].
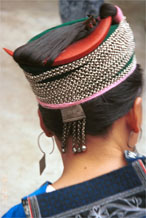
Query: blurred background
[(19, 125)]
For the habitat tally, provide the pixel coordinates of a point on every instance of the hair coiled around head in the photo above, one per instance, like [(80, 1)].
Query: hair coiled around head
[(107, 10), (102, 111), (43, 50)]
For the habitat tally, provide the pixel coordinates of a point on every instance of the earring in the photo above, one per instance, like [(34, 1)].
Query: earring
[(42, 162), (131, 143)]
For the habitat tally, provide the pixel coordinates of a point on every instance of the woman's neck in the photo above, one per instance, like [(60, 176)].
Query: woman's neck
[(103, 155)]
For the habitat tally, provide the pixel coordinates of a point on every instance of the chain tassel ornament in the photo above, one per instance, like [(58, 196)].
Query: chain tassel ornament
[(74, 120)]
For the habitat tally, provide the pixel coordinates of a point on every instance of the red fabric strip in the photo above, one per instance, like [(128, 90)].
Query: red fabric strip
[(142, 165)]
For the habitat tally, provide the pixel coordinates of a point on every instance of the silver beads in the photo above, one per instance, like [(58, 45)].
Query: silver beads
[(90, 74), (74, 150), (84, 148), (66, 132), (77, 130), (79, 149), (79, 136), (63, 150)]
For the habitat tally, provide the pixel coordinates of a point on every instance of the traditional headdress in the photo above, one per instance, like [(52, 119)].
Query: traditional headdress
[(84, 70)]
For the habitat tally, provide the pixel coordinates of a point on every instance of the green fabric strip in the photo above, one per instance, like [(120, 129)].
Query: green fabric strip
[(111, 30), (128, 63), (58, 77)]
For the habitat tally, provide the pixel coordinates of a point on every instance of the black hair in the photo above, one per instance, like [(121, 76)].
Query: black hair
[(43, 50), (102, 111), (107, 10)]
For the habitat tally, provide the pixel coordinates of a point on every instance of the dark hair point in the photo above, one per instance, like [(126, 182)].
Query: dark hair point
[(107, 10)]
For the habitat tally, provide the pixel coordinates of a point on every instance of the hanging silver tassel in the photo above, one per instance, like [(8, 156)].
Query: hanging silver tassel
[(83, 135), (74, 118), (66, 132)]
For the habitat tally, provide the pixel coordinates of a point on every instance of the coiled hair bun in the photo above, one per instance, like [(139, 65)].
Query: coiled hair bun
[(107, 10), (42, 51), (114, 11)]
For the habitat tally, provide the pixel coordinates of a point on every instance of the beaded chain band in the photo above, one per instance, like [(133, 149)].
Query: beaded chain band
[(90, 74), (81, 80), (74, 119), (68, 85)]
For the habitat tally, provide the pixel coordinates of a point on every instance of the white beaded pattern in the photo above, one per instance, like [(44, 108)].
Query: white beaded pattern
[(91, 73)]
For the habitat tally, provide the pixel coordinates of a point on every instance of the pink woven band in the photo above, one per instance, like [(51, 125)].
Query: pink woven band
[(119, 15), (65, 105)]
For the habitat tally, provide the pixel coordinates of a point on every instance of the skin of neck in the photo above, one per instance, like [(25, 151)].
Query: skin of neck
[(104, 153)]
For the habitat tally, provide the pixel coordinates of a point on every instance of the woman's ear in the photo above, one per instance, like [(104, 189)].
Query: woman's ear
[(47, 132), (135, 115)]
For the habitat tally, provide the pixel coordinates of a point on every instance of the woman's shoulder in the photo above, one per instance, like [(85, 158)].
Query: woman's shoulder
[(131, 157), (109, 194), (18, 210)]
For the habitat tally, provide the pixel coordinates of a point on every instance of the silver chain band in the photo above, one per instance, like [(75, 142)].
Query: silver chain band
[(92, 73)]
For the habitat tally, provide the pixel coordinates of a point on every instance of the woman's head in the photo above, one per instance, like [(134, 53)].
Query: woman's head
[(103, 111), (84, 75)]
